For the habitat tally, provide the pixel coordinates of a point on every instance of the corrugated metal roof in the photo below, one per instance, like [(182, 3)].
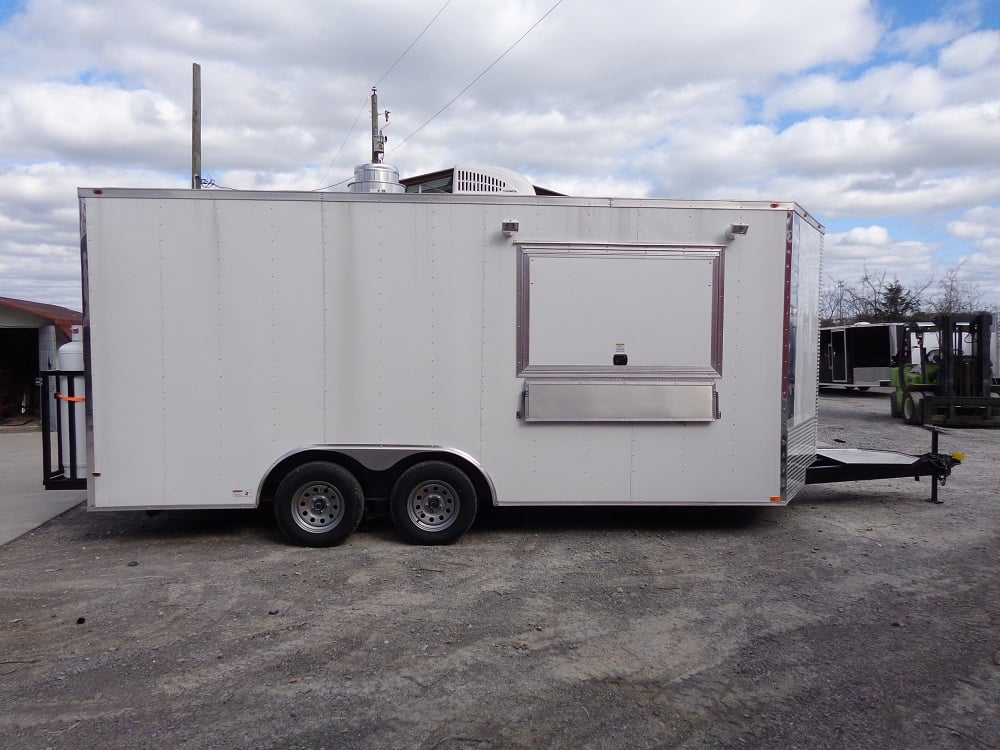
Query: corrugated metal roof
[(62, 317)]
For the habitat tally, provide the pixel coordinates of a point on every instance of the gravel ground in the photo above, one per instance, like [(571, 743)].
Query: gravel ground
[(860, 616)]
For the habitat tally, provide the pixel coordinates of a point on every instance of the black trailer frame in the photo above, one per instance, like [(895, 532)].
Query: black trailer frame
[(63, 475), (858, 465)]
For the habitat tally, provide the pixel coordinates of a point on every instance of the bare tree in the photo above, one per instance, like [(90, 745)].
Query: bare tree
[(833, 302), (956, 296), (877, 300)]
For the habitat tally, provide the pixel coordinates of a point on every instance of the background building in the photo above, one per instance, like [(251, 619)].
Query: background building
[(30, 336)]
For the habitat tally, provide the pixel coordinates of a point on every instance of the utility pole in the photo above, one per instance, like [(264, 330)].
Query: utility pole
[(378, 140), (196, 126)]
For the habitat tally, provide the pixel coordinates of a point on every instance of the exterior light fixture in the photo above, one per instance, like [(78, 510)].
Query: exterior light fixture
[(510, 228), (736, 230)]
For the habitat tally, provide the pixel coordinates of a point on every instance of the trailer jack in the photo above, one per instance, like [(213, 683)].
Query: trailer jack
[(942, 463), (855, 465)]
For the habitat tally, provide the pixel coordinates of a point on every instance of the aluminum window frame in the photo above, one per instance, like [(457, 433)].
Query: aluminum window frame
[(529, 250)]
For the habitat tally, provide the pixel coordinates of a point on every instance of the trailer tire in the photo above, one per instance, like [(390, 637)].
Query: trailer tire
[(912, 409), (893, 405), (319, 504), (433, 502)]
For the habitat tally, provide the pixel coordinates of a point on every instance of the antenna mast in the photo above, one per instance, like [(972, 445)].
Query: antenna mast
[(378, 140), (376, 177)]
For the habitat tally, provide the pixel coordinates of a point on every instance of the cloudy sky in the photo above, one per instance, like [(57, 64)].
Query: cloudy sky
[(880, 117)]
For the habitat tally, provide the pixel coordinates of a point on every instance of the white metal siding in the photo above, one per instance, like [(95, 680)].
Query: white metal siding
[(228, 330), (126, 354)]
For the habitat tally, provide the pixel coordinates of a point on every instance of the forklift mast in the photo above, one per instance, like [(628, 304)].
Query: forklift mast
[(966, 369), (952, 384)]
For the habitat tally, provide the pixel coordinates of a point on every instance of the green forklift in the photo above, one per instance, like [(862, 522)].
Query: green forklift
[(942, 374)]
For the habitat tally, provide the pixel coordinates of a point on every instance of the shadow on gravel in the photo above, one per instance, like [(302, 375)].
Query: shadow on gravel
[(872, 393), (555, 520), (914, 497), (258, 526), (179, 525)]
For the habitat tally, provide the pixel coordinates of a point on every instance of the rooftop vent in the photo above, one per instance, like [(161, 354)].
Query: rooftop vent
[(375, 178), (472, 181), (490, 180)]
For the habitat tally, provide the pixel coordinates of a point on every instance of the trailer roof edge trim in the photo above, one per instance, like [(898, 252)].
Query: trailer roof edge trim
[(326, 197)]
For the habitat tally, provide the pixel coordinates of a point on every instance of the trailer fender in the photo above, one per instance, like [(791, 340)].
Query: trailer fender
[(377, 467)]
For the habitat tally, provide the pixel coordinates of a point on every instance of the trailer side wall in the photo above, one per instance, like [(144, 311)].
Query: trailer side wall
[(228, 330)]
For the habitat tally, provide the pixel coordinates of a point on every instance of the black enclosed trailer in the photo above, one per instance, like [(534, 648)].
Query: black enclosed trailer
[(860, 355)]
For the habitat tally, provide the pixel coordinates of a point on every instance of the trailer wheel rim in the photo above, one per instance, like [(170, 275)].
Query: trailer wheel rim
[(433, 505), (319, 507)]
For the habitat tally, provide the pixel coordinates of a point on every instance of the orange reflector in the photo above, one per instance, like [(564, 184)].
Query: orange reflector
[(776, 499), (71, 399)]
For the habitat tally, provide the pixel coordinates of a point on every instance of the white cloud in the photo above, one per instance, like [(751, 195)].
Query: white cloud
[(99, 124), (919, 38), (979, 223), (894, 90), (848, 255), (972, 52), (652, 97), (873, 236), (981, 227), (966, 230)]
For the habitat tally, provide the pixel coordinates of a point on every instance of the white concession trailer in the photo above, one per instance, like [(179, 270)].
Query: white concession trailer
[(435, 352)]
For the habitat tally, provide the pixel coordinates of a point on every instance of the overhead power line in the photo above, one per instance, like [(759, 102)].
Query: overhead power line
[(475, 80), (342, 145), (413, 43), (382, 78)]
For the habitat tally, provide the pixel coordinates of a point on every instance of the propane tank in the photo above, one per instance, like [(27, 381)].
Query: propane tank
[(72, 407)]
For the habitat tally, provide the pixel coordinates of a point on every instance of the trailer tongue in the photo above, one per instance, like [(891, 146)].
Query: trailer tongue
[(859, 465)]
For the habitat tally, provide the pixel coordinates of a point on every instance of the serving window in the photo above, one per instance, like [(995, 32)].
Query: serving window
[(620, 310)]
